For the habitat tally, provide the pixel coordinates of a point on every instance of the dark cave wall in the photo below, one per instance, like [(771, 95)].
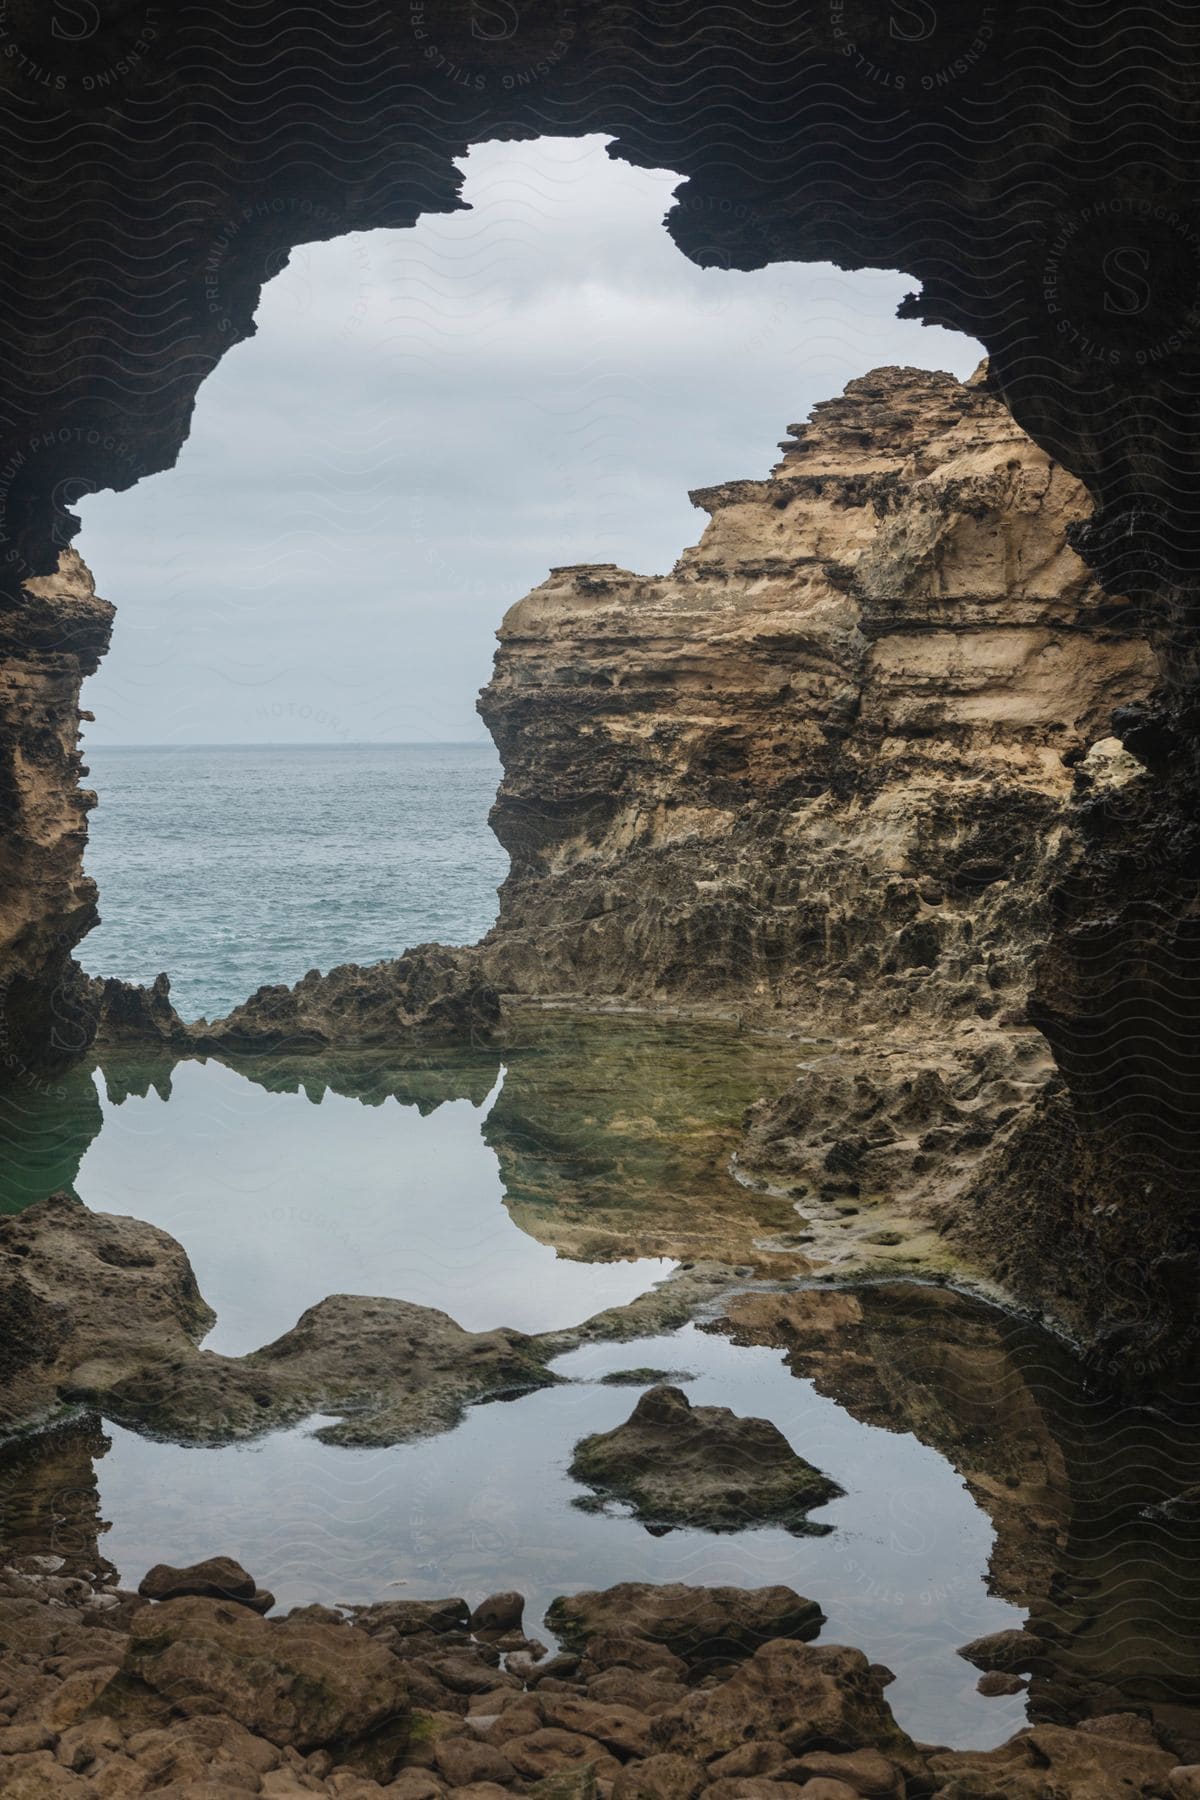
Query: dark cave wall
[(1033, 166)]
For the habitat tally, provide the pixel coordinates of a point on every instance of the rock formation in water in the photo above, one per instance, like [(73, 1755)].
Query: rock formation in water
[(53, 633), (428, 995), (834, 769), (1077, 165), (702, 1466), (105, 1311)]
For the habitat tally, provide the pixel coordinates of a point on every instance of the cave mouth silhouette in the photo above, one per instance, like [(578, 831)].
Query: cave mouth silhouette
[(423, 423)]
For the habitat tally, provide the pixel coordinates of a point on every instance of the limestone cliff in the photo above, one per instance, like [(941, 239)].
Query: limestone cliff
[(51, 636), (828, 760), (835, 768)]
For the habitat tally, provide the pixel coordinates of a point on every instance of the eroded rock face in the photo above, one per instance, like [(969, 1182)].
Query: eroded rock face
[(428, 995), (53, 632), (701, 1466), (843, 764), (89, 1295), (826, 759)]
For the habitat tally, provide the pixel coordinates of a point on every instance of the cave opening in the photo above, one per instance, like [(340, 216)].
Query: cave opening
[(425, 422)]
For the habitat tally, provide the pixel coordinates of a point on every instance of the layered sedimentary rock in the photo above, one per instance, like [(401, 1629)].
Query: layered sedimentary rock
[(829, 758), (837, 765), (53, 632)]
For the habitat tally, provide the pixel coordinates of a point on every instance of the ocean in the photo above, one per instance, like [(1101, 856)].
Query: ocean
[(233, 865)]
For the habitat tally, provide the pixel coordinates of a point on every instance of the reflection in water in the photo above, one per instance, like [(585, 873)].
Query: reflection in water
[(531, 1192), (981, 1474), (489, 1506)]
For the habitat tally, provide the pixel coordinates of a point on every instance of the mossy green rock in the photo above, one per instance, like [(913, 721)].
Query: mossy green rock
[(678, 1464)]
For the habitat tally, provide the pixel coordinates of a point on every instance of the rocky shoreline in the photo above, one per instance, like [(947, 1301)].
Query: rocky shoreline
[(660, 1693)]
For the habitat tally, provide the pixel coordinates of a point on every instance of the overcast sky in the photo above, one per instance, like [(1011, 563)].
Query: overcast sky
[(426, 422)]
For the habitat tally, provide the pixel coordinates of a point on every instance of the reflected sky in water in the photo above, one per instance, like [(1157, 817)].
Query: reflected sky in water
[(489, 1506), (280, 1202)]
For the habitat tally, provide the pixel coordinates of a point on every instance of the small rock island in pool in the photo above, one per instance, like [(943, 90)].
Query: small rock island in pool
[(701, 1466)]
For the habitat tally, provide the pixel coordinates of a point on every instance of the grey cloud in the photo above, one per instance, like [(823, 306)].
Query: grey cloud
[(426, 421)]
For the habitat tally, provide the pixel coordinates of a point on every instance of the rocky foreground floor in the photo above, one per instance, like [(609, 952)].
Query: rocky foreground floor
[(661, 1693)]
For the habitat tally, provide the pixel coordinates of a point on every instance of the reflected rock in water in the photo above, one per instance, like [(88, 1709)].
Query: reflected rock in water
[(45, 1130), (1080, 1487), (614, 1141), (50, 1498)]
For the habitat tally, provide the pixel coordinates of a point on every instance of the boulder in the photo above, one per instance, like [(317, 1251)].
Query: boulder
[(1052, 1759), (296, 1682), (677, 1464), (499, 1613), (1011, 1652), (704, 1626), (216, 1578), (865, 1772), (804, 1696), (663, 1777)]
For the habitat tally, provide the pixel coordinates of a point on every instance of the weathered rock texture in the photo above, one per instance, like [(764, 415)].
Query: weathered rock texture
[(701, 1466), (827, 759), (843, 763), (1019, 161), (106, 1310), (111, 1695), (428, 995), (53, 632)]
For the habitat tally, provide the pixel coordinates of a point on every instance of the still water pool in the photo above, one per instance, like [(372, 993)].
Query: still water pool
[(533, 1185)]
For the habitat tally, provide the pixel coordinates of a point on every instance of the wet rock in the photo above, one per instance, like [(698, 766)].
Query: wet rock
[(625, 1649), (408, 1617), (499, 1613), (216, 1578), (548, 1751), (300, 1683), (1011, 1652), (705, 1627), (394, 1368), (127, 1013), (864, 1772), (760, 1757), (469, 1675), (803, 1696), (663, 1777), (701, 1466), (995, 1683), (88, 1290), (463, 1761), (428, 995), (1052, 1759), (644, 1377), (620, 1729), (416, 1784), (627, 1687), (825, 1788)]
